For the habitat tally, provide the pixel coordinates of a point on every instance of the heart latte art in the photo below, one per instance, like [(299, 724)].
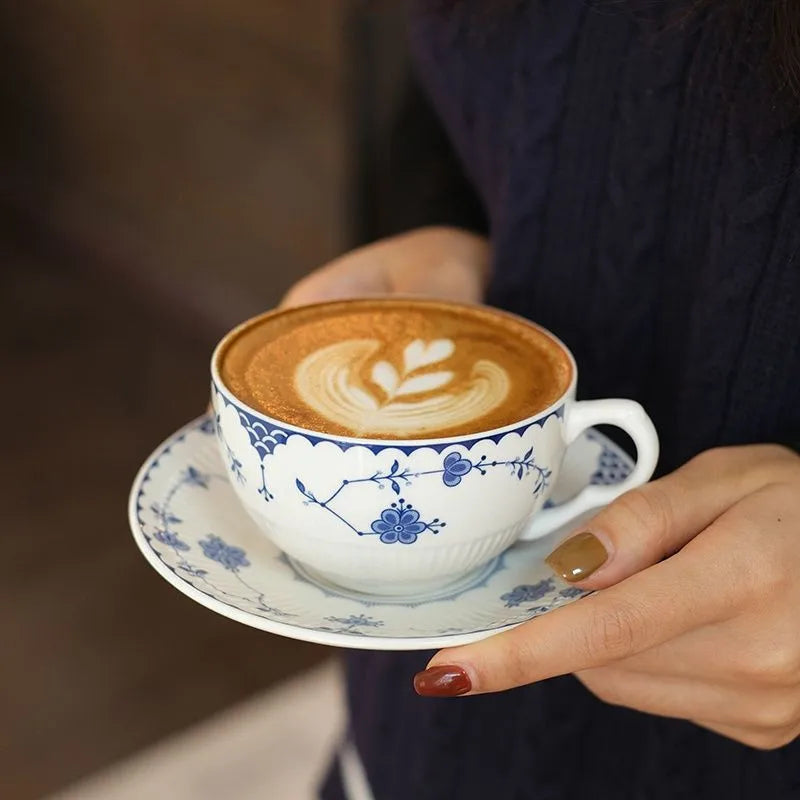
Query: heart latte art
[(408, 397), (394, 369)]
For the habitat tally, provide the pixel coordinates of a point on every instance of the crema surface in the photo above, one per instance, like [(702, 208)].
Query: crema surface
[(395, 369)]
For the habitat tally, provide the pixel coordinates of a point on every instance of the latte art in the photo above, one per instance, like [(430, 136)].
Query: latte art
[(408, 399), (394, 368)]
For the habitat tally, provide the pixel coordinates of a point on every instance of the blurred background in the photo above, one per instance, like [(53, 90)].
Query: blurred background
[(166, 170)]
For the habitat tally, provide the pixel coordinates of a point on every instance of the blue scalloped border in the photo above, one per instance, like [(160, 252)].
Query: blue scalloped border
[(250, 419)]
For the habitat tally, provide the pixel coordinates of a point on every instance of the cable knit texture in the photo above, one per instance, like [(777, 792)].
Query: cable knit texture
[(643, 197)]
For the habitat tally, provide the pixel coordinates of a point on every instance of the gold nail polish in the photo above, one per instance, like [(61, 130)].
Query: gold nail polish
[(578, 557)]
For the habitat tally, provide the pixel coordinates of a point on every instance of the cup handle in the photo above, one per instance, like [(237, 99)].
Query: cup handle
[(625, 414)]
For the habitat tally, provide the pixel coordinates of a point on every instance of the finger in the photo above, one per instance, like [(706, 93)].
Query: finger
[(680, 698), (645, 610), (729, 653), (435, 262), (647, 524), (710, 652), (757, 642)]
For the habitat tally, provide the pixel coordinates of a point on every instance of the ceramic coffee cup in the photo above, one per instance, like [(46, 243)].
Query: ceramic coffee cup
[(404, 516)]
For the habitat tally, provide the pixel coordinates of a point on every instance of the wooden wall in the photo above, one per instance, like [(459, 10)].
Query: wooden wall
[(199, 145)]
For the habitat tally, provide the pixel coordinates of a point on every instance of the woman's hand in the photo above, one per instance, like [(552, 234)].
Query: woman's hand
[(698, 614), (447, 263)]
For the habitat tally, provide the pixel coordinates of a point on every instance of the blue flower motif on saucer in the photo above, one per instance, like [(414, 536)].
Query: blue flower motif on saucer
[(545, 589), (171, 539), (399, 523), (526, 593), (455, 468), (232, 558)]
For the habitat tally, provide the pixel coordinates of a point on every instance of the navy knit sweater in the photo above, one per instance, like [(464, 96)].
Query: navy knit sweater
[(641, 183)]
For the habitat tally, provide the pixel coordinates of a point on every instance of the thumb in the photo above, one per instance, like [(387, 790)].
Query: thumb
[(340, 280), (658, 519)]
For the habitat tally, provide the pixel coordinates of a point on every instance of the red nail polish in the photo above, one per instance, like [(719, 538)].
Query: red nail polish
[(444, 681)]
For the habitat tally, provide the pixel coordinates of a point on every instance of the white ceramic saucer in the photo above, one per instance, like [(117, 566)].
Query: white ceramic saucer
[(193, 531)]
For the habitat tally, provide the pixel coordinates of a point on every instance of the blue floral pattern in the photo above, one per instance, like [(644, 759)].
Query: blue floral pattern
[(455, 467), (400, 523), (232, 558), (171, 539), (545, 589), (527, 593)]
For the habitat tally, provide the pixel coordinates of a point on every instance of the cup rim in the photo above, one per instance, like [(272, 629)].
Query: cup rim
[(431, 441)]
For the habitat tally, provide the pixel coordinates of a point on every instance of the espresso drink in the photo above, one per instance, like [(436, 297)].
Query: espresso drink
[(394, 368)]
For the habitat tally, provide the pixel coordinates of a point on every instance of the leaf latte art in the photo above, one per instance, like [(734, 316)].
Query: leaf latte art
[(402, 398)]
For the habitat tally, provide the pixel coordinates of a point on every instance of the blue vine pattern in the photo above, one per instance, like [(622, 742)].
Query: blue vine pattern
[(213, 547), (264, 441), (400, 522), (235, 465), (351, 624)]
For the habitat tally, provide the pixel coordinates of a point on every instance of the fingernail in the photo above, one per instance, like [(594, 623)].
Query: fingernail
[(445, 681), (578, 557)]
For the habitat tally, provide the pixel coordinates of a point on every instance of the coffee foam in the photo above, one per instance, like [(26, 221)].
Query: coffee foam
[(395, 368)]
